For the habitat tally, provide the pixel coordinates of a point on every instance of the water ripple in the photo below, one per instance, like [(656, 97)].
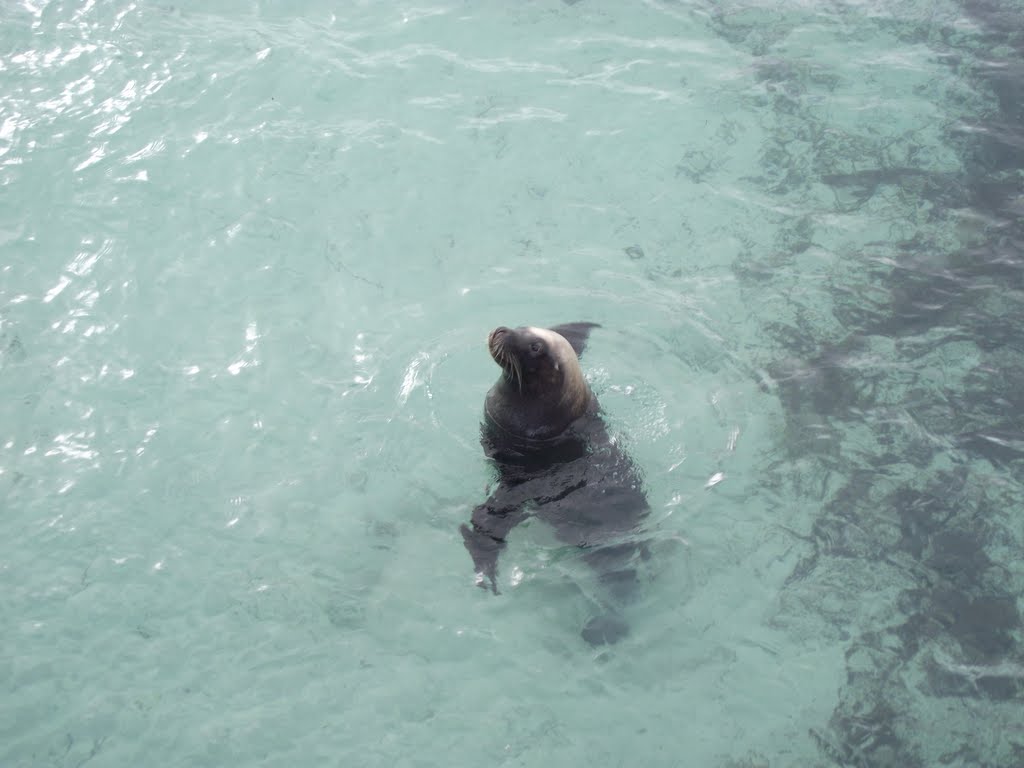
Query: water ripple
[(251, 250)]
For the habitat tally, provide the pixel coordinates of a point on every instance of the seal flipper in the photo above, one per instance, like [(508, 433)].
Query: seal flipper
[(576, 334), (491, 523), (619, 581)]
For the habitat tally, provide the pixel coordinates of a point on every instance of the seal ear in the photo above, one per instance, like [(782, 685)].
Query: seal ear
[(576, 334)]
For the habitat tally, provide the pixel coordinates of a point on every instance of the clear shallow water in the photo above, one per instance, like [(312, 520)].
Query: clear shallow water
[(251, 251)]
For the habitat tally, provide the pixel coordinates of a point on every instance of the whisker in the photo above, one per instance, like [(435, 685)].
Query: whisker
[(508, 361), (511, 365)]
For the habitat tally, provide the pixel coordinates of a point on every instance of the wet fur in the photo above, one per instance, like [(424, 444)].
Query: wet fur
[(544, 434)]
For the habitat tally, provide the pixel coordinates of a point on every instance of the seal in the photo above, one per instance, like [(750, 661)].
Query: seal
[(544, 434)]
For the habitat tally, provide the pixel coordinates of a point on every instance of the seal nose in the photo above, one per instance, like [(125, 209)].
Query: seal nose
[(496, 344)]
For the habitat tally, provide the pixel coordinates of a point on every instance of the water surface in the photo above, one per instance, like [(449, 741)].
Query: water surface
[(251, 251)]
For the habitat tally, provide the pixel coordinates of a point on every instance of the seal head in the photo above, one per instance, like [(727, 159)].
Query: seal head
[(542, 390)]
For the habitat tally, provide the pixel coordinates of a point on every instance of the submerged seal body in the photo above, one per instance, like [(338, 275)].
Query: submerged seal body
[(544, 434)]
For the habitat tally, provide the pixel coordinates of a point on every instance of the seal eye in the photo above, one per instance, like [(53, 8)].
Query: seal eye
[(536, 347)]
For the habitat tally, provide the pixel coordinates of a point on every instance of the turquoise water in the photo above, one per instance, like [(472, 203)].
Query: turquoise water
[(251, 252)]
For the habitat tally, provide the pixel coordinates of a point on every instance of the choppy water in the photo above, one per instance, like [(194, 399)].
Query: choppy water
[(250, 254)]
